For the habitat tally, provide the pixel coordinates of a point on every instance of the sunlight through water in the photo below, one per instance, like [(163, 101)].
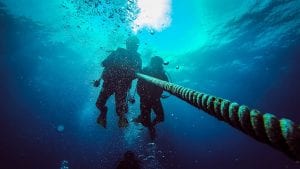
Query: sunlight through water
[(154, 14)]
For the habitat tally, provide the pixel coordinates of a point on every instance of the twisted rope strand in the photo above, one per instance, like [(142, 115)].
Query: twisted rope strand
[(282, 134)]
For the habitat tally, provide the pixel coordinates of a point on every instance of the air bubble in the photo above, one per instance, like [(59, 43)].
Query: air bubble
[(60, 128)]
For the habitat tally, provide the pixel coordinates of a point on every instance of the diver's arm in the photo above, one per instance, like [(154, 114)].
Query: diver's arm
[(96, 83), (100, 77)]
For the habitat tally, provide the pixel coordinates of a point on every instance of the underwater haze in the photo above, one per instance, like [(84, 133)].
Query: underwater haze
[(247, 51)]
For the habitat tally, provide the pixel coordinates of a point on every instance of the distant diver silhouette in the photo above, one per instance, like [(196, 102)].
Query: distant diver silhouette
[(150, 96), (129, 161), (119, 71)]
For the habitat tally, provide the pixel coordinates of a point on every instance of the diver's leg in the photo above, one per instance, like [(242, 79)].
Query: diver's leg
[(152, 132), (105, 93), (139, 118), (121, 106), (145, 108), (159, 112), (148, 106)]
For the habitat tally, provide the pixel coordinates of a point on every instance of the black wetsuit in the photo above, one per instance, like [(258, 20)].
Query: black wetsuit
[(119, 71), (150, 97)]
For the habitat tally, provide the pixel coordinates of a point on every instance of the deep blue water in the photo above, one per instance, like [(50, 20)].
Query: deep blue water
[(250, 56)]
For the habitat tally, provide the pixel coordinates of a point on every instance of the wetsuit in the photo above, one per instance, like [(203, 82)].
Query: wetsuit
[(119, 71), (150, 97)]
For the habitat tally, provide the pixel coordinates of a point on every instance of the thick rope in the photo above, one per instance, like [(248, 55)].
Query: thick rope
[(283, 134)]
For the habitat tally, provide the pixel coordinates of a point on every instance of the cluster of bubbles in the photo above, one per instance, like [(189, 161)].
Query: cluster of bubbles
[(64, 164), (149, 157), (115, 14), (60, 128)]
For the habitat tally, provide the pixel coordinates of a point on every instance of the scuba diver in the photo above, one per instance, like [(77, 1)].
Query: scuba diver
[(150, 95), (129, 161), (119, 71)]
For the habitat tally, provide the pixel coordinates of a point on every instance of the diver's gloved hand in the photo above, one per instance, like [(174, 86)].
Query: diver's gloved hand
[(96, 83)]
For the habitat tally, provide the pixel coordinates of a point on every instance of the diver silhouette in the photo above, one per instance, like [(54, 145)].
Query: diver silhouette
[(150, 95), (119, 71), (129, 161)]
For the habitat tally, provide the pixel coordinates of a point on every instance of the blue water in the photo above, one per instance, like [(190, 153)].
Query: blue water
[(50, 51)]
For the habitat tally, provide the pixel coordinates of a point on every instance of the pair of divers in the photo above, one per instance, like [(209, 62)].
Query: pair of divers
[(120, 69), (124, 65)]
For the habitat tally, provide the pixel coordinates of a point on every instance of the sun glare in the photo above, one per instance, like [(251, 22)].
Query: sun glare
[(154, 15)]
